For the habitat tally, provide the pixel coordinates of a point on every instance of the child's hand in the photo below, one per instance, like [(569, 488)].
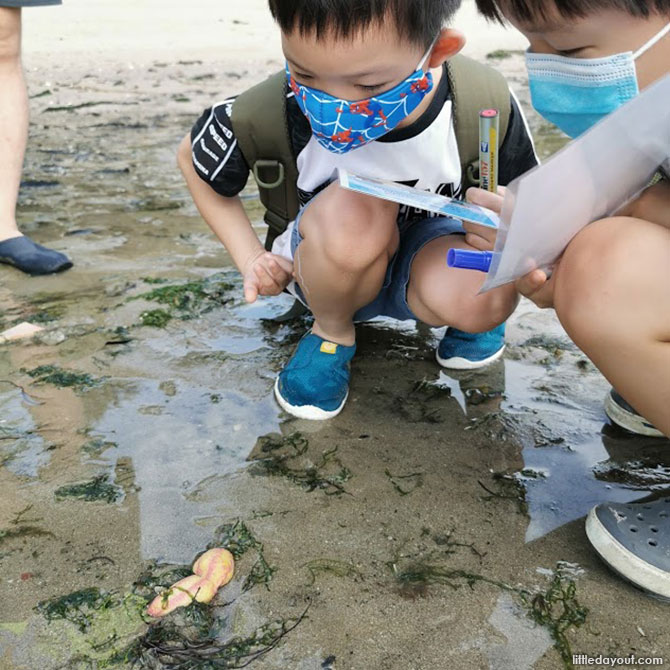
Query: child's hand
[(266, 274), (481, 237), (537, 287)]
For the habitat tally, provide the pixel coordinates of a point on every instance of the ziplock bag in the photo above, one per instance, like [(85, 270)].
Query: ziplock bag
[(589, 179)]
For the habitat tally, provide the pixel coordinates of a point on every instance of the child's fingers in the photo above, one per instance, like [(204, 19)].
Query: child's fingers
[(478, 196), (285, 264), (265, 279), (487, 234), (250, 290), (478, 242), (278, 272), (536, 287), (530, 283)]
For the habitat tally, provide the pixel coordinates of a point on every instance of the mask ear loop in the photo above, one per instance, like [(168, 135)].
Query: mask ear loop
[(426, 55), (656, 38)]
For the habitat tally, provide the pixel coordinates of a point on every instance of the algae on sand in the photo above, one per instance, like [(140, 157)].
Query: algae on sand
[(556, 608), (52, 374), (238, 539), (98, 488), (186, 301), (77, 607), (286, 456)]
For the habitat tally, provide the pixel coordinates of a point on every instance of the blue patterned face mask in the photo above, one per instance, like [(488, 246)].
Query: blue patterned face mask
[(342, 125), (576, 93)]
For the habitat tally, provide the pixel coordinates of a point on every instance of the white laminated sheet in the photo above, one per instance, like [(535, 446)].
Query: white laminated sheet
[(591, 178)]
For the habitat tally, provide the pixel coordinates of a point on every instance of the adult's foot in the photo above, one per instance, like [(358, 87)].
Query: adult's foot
[(32, 258)]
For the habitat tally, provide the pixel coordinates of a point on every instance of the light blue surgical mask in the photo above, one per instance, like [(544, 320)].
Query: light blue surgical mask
[(576, 93)]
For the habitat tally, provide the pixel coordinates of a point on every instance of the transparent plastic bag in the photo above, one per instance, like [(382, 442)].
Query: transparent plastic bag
[(589, 179)]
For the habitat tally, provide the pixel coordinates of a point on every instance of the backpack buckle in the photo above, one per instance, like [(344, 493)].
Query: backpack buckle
[(266, 164)]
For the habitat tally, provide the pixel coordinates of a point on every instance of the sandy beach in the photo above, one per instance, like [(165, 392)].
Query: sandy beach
[(437, 523)]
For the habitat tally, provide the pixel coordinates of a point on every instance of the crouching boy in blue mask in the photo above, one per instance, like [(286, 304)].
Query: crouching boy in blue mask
[(611, 289), (368, 92)]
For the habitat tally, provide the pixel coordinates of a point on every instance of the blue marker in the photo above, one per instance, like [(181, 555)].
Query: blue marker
[(469, 260)]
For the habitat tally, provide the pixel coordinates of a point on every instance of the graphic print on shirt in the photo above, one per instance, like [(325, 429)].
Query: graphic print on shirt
[(423, 154)]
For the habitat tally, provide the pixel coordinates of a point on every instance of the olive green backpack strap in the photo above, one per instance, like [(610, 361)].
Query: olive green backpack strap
[(474, 87), (260, 126)]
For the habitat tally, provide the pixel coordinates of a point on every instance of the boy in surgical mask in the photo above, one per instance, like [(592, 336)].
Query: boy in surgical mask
[(368, 92), (611, 288)]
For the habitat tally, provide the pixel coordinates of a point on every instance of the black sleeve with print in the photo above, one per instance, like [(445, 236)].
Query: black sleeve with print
[(517, 154), (217, 157)]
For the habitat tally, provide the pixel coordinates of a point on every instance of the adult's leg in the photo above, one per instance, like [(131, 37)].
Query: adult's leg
[(612, 296), (348, 239), (13, 119), (16, 249)]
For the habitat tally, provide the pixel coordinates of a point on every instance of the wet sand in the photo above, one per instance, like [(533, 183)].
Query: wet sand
[(436, 523)]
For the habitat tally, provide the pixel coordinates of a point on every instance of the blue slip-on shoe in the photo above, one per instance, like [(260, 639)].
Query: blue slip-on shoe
[(32, 258), (459, 350), (634, 540), (315, 382), (625, 416)]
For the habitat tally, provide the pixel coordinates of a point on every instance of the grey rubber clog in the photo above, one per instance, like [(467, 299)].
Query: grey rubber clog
[(634, 540)]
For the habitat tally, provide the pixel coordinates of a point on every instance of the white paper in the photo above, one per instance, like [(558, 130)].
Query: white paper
[(589, 179)]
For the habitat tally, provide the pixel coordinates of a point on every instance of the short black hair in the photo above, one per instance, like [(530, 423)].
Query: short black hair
[(530, 10), (417, 21)]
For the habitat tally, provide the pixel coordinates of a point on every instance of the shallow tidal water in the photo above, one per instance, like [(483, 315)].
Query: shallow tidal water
[(416, 530)]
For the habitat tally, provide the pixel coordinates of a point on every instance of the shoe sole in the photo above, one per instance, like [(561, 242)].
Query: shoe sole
[(459, 363), (624, 562), (633, 423), (307, 411)]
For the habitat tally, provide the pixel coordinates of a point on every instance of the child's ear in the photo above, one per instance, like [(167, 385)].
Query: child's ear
[(448, 44)]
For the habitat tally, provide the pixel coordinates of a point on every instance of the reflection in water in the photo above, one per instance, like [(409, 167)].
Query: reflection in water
[(22, 449), (572, 459), (175, 443)]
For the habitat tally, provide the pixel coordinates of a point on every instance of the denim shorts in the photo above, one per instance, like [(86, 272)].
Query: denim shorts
[(392, 298)]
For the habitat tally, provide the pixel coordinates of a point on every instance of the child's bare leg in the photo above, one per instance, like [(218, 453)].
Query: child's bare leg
[(612, 296), (443, 296), (348, 239)]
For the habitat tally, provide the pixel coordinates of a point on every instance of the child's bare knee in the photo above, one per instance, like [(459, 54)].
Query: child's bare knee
[(353, 231), (471, 313), (592, 273)]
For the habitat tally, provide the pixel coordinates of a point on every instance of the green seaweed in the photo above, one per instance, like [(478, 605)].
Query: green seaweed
[(559, 611), (77, 607), (186, 300), (175, 647), (331, 566), (52, 374), (413, 481), (285, 456), (97, 445), (98, 489), (23, 531), (510, 487), (557, 608), (238, 539), (190, 638), (156, 318)]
